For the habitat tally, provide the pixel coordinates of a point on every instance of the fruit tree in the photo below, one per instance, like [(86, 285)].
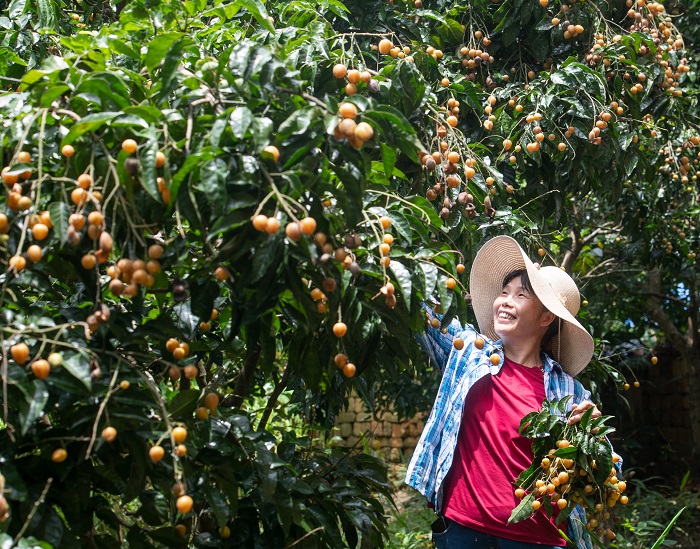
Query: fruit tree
[(219, 217)]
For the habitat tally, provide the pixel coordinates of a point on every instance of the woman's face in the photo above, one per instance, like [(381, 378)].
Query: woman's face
[(518, 315)]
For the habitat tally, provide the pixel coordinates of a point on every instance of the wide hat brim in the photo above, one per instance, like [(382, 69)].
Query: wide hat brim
[(573, 347)]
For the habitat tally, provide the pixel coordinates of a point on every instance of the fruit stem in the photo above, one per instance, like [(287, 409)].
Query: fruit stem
[(280, 197), (103, 404)]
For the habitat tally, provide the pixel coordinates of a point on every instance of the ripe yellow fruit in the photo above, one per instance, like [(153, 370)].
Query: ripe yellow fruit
[(451, 283), (59, 455), (34, 253), (84, 181), (211, 401), (495, 359), (68, 151), (339, 70), (184, 504), (179, 435), (260, 222), (349, 370), (41, 368), (293, 231), (271, 153), (364, 132), (385, 46), (160, 159), (20, 353), (17, 262), (109, 434), (340, 329), (40, 231), (458, 343), (654, 360), (155, 251), (156, 453), (347, 110), (129, 146), (221, 273), (308, 225)]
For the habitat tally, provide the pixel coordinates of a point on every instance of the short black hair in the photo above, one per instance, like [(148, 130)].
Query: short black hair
[(553, 328)]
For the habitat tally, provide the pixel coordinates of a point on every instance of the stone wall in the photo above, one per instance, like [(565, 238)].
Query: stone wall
[(388, 436)]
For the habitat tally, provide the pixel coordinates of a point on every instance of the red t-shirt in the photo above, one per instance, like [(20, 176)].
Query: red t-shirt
[(490, 454)]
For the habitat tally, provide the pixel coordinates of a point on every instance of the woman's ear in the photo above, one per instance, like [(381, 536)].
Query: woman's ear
[(547, 318)]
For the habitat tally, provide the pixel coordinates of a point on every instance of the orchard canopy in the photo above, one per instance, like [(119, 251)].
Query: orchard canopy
[(221, 217)]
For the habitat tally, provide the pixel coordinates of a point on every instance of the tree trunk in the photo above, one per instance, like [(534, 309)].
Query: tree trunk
[(686, 345)]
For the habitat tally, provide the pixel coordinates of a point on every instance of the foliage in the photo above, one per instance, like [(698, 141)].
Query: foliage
[(652, 507), (271, 221), (572, 465)]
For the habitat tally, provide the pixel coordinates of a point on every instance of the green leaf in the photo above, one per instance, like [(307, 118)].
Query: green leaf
[(159, 47), (524, 509), (183, 404), (32, 407), (430, 272), (258, 11), (78, 366), (218, 504), (149, 172), (16, 8), (389, 159), (88, 123), (60, 213), (47, 12), (403, 277), (240, 121)]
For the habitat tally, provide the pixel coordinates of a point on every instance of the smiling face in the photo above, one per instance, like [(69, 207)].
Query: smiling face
[(518, 315)]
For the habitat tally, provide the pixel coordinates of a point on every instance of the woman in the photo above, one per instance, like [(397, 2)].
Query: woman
[(470, 450)]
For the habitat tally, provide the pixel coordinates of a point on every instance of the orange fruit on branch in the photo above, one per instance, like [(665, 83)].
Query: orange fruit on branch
[(340, 329)]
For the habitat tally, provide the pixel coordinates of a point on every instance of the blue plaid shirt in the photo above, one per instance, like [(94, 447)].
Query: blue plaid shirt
[(460, 371)]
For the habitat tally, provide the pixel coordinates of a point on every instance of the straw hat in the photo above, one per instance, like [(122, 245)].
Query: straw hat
[(573, 347)]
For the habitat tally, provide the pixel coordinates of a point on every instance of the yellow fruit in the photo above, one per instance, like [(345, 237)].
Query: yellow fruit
[(129, 146), (221, 273), (184, 504), (271, 153), (260, 222), (155, 251), (17, 262), (340, 329), (160, 159), (385, 46), (68, 151), (308, 225), (339, 70), (59, 455), (179, 435), (347, 110), (41, 368), (156, 453), (349, 370), (20, 353), (109, 434), (211, 401), (40, 231), (34, 253), (364, 132), (84, 181)]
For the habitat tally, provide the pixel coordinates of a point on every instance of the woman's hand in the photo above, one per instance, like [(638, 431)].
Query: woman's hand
[(579, 409)]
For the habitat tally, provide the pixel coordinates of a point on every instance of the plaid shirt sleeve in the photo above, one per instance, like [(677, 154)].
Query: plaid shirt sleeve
[(435, 343), (559, 384)]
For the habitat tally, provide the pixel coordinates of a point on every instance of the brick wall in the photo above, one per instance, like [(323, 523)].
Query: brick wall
[(393, 439)]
